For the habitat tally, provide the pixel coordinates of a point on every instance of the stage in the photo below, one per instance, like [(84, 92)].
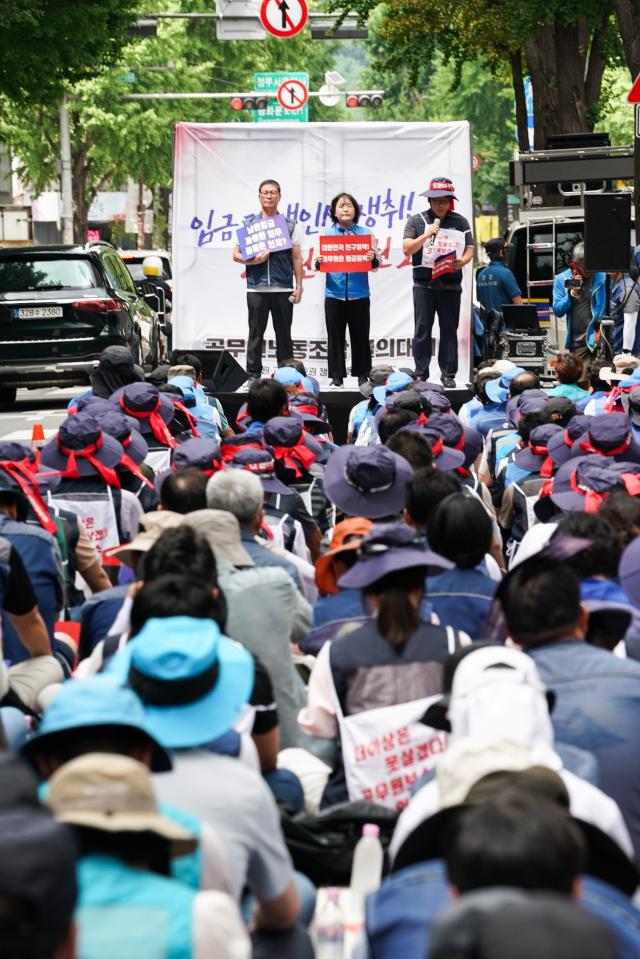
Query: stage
[(338, 402)]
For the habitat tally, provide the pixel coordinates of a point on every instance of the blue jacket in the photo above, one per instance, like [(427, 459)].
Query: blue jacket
[(347, 286), (563, 304), (598, 709), (277, 269), (461, 598)]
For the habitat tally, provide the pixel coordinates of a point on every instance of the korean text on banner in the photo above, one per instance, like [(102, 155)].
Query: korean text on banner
[(345, 254), (269, 233), (218, 167), (385, 751)]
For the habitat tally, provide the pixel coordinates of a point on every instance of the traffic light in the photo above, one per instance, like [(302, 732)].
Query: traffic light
[(368, 98), (249, 101), (143, 28)]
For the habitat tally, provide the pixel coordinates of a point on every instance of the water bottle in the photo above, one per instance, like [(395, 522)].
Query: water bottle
[(366, 873), (330, 929)]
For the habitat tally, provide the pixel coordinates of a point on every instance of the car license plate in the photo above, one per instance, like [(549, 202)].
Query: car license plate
[(39, 312)]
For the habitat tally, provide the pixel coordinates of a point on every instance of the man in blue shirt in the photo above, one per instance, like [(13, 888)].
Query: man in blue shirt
[(496, 284)]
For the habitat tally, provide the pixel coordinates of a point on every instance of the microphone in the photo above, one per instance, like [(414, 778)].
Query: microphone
[(432, 238)]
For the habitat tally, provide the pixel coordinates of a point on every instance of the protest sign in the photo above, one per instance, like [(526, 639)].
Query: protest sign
[(268, 233), (345, 254)]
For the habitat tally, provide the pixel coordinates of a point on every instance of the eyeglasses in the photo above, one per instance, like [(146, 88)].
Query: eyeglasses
[(269, 193)]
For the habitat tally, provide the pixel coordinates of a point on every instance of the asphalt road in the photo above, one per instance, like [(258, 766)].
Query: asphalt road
[(47, 407)]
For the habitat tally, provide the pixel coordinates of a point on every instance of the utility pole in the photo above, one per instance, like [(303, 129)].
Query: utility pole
[(141, 208), (636, 163), (66, 182)]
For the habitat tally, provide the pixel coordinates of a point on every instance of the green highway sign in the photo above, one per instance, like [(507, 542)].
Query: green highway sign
[(271, 83)]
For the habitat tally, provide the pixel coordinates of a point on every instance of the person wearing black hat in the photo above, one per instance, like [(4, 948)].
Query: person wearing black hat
[(496, 284), (441, 240)]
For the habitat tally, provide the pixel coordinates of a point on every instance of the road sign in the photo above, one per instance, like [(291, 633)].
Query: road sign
[(293, 95), (271, 82), (284, 18), (475, 162), (633, 95)]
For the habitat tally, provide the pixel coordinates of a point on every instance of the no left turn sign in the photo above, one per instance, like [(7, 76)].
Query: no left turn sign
[(284, 18), (292, 95)]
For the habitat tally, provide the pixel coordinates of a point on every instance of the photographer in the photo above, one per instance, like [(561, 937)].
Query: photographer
[(581, 297)]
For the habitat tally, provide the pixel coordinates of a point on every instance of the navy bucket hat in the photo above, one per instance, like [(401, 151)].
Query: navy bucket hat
[(367, 481)]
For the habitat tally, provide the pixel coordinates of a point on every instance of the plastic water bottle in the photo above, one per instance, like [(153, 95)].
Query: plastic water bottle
[(366, 874), (330, 929)]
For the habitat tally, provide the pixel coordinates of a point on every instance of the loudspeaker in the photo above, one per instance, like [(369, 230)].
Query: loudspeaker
[(607, 232), (220, 370)]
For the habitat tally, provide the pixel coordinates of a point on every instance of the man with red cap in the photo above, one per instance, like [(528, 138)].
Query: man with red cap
[(440, 244)]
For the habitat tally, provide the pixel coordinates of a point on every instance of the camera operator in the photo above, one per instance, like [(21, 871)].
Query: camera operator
[(581, 297)]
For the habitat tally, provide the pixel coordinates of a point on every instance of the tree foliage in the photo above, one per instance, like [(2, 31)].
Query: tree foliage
[(47, 43), (113, 139)]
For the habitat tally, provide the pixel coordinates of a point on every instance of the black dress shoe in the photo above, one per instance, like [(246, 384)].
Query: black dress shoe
[(336, 382), (449, 382)]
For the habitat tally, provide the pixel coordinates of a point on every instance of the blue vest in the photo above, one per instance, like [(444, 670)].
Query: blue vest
[(39, 553), (130, 912), (347, 286), (277, 269)]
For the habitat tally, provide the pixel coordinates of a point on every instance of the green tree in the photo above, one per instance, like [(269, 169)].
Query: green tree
[(47, 43), (563, 47), (113, 139)]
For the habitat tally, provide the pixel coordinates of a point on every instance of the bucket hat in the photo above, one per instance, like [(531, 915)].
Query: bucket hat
[(583, 483), (528, 402), (498, 390), (367, 481), (257, 460), (192, 680), (444, 457), (152, 410), (310, 409), (606, 860), (89, 401), (222, 531), (389, 548), (439, 186), (95, 701), (535, 455), (437, 399), (609, 435), (347, 537), (115, 368), (38, 858), (410, 400), (288, 376), (465, 439), (123, 428), (561, 444), (152, 525), (623, 364), (292, 450), (395, 383), (113, 793), (81, 448), (201, 452), (21, 471), (377, 376)]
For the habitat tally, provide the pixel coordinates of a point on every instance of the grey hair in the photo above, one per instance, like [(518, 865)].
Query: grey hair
[(238, 492), (578, 252)]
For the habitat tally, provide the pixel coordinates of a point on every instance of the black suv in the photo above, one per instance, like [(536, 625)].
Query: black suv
[(60, 306)]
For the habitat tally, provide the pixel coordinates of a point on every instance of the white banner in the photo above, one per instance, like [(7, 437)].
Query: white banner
[(384, 165)]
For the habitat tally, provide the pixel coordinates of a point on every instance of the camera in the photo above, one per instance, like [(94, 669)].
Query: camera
[(573, 283)]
